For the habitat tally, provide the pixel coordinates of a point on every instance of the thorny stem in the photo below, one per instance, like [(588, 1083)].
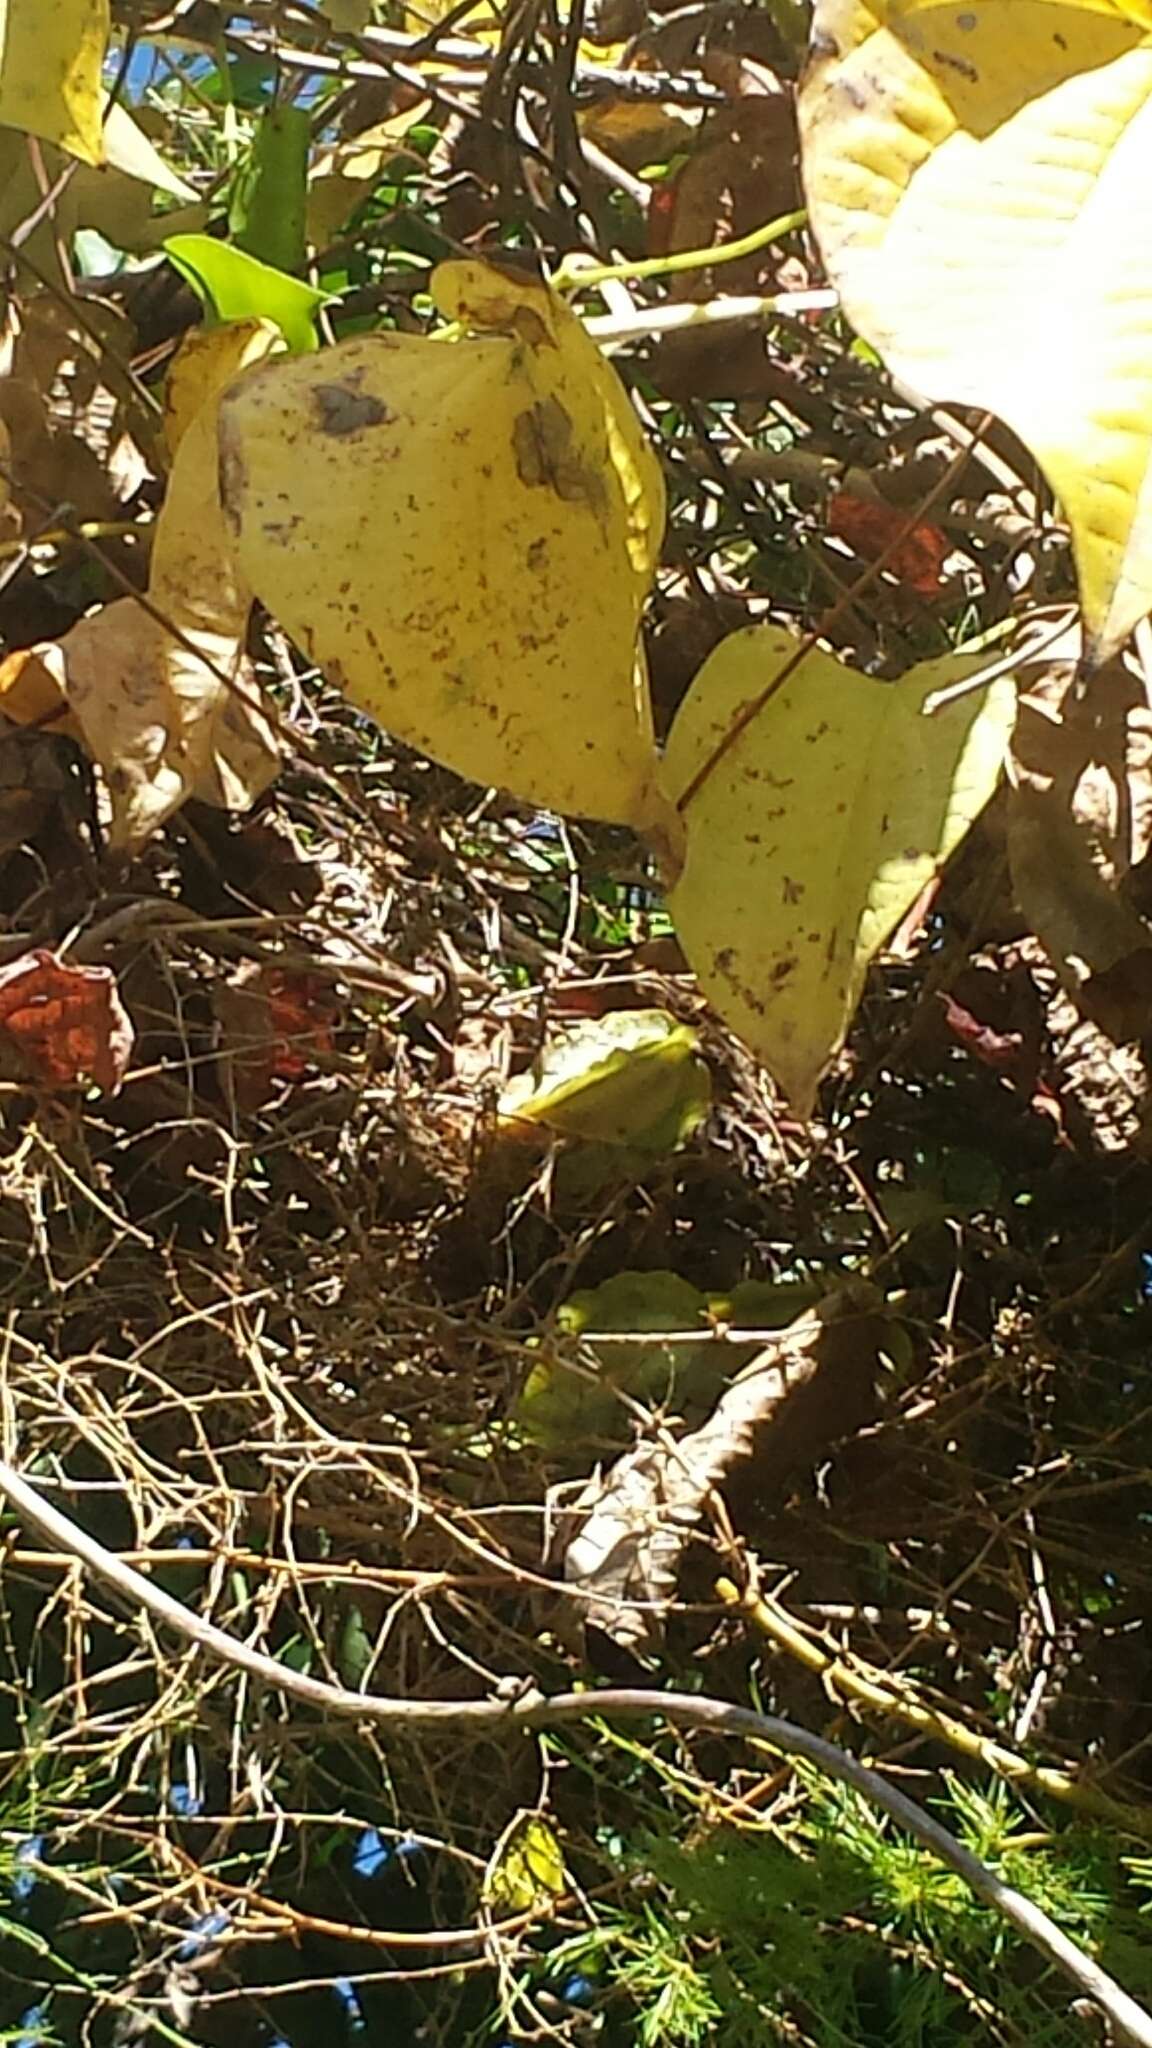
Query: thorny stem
[(1131, 2023)]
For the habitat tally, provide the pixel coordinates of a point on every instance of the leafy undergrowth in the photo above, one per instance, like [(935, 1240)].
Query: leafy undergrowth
[(269, 1311), (272, 1307)]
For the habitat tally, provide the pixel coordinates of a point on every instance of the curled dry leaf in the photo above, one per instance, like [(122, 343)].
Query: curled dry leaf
[(64, 1026), (870, 526), (742, 172), (168, 705), (462, 535), (634, 1524), (163, 720)]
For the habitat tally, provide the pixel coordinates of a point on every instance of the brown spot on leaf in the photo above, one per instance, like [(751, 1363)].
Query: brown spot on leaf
[(344, 410), (542, 441)]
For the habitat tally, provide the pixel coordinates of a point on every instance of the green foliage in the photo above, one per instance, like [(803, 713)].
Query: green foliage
[(235, 286), (835, 1931)]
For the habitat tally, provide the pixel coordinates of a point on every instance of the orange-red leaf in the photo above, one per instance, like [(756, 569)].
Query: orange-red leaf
[(66, 1025), (869, 527)]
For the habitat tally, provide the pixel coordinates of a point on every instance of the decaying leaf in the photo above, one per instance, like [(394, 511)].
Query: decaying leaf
[(156, 714), (816, 830), (872, 528), (63, 1026), (633, 1078), (50, 62), (164, 698), (78, 434), (971, 174), (273, 1024), (634, 1524), (462, 535)]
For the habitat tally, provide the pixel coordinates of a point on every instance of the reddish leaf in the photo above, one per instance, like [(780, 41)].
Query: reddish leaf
[(273, 1026), (300, 1014), (869, 526), (66, 1025), (998, 1049)]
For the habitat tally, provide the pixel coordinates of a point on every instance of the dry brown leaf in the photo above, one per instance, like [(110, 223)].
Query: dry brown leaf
[(63, 1026), (742, 173), (273, 1025), (80, 436), (625, 1559), (158, 717), (164, 699)]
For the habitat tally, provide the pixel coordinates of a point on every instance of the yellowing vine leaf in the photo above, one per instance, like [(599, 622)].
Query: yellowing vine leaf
[(977, 178), (632, 1077), (51, 52), (462, 534), (816, 831)]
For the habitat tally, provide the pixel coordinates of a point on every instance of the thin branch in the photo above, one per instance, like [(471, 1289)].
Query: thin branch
[(1131, 2023)]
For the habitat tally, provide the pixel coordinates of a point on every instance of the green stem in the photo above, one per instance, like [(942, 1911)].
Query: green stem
[(577, 277)]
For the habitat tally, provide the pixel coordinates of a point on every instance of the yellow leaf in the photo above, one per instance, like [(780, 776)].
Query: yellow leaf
[(462, 534), (974, 176), (195, 580), (632, 1077), (51, 52), (527, 1866), (816, 831), (206, 362)]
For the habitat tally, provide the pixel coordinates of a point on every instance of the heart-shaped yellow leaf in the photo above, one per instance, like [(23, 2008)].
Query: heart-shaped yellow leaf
[(462, 534), (977, 176), (816, 830)]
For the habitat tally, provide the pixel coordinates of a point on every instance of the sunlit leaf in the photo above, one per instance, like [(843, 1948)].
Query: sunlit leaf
[(527, 1866), (972, 174), (51, 53), (462, 534), (632, 1077), (235, 286), (816, 831)]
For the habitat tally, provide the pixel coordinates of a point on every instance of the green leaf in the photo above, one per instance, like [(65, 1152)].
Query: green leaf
[(266, 210), (633, 1077), (235, 286), (565, 1407)]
